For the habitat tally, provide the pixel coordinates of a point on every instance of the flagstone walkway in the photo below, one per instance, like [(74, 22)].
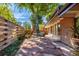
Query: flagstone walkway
[(42, 46)]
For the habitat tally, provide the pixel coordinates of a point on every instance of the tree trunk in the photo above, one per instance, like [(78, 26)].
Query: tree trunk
[(37, 27)]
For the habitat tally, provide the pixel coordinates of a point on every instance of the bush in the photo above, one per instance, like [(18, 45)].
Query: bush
[(13, 48)]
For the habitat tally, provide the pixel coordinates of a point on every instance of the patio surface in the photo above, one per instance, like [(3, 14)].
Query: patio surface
[(43, 46)]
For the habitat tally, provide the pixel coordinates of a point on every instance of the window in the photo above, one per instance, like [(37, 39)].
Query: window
[(59, 27)]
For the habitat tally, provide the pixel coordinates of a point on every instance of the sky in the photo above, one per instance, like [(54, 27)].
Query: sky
[(21, 14)]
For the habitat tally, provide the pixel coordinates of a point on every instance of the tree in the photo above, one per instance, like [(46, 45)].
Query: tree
[(7, 13), (34, 24), (19, 23), (38, 11), (27, 25), (41, 26)]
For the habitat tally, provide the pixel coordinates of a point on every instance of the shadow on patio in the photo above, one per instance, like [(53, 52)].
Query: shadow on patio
[(40, 47)]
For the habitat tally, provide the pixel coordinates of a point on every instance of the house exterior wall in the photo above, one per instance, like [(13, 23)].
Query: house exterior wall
[(66, 30)]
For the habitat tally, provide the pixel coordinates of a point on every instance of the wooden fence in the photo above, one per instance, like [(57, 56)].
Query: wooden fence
[(8, 32)]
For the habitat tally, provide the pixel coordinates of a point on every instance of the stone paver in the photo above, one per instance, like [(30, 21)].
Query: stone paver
[(39, 47)]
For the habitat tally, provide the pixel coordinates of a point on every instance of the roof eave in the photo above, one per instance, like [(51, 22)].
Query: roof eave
[(66, 9)]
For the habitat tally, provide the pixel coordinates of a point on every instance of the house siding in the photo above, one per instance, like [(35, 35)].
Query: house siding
[(66, 30)]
